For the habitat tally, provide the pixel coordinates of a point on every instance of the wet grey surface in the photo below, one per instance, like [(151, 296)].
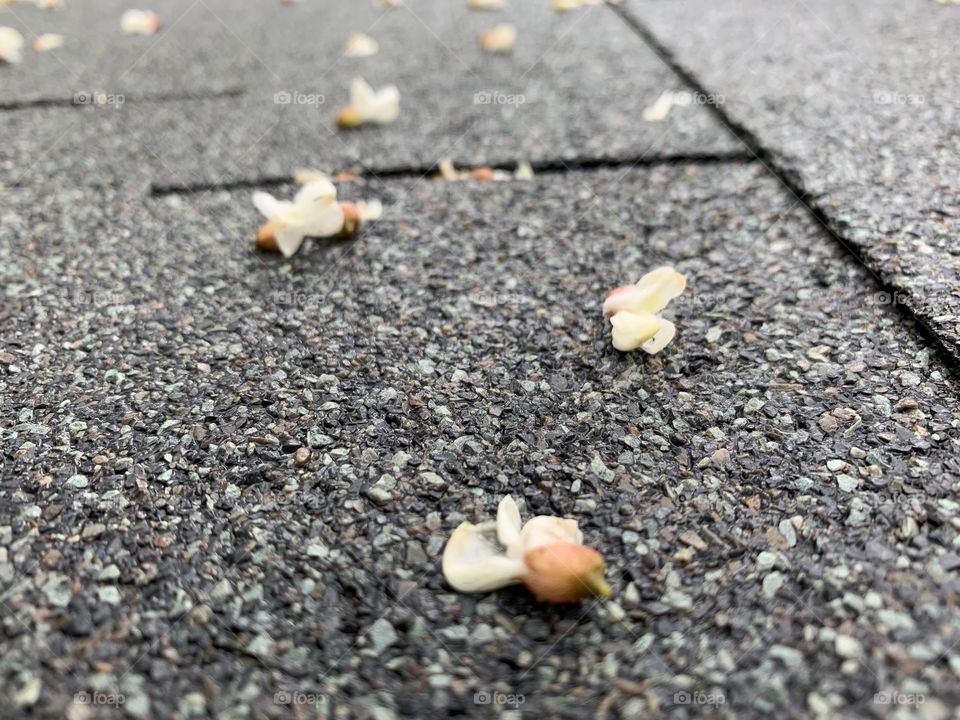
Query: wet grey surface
[(781, 476), (858, 101)]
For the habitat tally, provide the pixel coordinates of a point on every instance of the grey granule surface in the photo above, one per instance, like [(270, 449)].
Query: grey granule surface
[(227, 478), (860, 102)]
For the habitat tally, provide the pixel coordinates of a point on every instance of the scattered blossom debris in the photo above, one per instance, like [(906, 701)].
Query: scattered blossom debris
[(546, 554), (140, 22), (361, 46), (11, 43), (634, 311), (48, 41), (664, 104), (499, 39), (449, 172), (369, 106)]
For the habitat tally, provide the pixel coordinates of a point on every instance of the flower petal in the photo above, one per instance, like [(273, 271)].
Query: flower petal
[(289, 240), (140, 22), (370, 210), (360, 45), (11, 42), (472, 563), (631, 329), (499, 39), (270, 207), (361, 94), (508, 527), (48, 41), (548, 530), (317, 190), (663, 285), (663, 338), (650, 294), (387, 107)]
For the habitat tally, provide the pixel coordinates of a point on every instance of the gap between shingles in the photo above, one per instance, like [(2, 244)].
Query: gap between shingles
[(544, 167)]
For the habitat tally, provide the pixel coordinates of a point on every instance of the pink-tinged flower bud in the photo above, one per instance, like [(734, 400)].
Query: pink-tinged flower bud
[(620, 298), (565, 573)]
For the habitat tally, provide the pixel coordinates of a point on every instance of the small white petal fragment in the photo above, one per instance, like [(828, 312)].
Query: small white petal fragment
[(663, 337), (314, 212), (49, 4), (500, 39), (369, 106), (11, 43), (486, 4), (524, 171), (370, 210), (509, 526), (473, 563), (568, 5), (386, 3), (547, 530), (140, 22), (360, 46), (48, 41), (631, 330), (634, 311), (664, 104)]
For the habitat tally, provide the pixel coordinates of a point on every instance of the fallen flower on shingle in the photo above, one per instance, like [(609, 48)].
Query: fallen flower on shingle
[(314, 212), (11, 43), (499, 39), (634, 311), (369, 106), (360, 45), (48, 41), (486, 4), (140, 22), (546, 554)]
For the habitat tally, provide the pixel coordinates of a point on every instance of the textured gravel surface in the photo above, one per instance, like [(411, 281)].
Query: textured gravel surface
[(859, 101), (227, 479), (574, 89)]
